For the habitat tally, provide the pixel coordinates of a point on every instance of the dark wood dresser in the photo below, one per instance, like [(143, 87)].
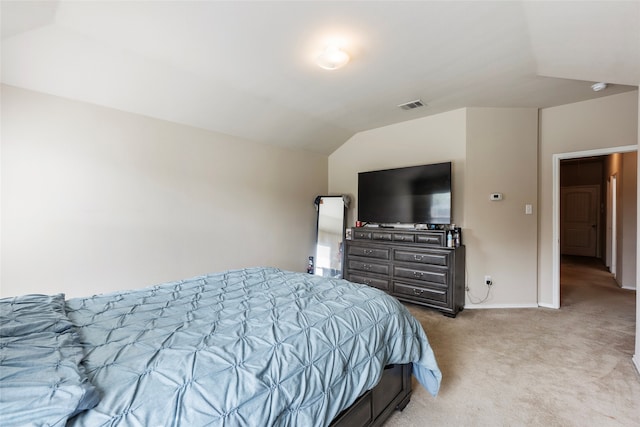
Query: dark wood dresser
[(412, 265)]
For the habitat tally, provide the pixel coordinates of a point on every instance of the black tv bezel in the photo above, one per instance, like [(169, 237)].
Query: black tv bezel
[(401, 221)]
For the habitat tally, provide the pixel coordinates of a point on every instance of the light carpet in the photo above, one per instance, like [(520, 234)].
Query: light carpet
[(535, 367)]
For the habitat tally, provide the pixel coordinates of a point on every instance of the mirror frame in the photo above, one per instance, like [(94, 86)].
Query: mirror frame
[(345, 204)]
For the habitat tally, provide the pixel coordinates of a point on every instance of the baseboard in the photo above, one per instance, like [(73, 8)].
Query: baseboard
[(636, 361), (629, 288), (545, 305), (482, 306)]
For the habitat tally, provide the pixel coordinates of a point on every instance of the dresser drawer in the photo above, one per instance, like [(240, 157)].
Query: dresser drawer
[(362, 234), (435, 296), (435, 238), (436, 276), (369, 267), (369, 252), (413, 265), (404, 237), (440, 258), (385, 236), (370, 281)]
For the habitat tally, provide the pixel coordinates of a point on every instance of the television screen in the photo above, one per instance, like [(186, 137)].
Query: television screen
[(411, 195)]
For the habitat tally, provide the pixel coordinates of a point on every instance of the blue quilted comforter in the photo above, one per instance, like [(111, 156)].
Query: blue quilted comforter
[(252, 347)]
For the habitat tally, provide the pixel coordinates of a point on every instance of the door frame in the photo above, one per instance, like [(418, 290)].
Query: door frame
[(555, 241), (612, 224)]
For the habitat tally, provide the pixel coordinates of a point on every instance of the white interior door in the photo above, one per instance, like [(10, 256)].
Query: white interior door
[(579, 220)]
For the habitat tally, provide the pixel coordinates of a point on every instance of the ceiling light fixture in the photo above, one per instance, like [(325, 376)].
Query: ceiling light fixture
[(597, 87), (332, 58)]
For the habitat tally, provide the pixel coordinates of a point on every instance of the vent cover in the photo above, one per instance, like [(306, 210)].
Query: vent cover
[(411, 105)]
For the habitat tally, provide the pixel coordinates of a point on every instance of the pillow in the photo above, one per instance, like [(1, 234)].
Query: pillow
[(32, 313), (41, 379)]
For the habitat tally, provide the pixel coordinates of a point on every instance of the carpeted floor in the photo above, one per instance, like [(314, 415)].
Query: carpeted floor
[(535, 367)]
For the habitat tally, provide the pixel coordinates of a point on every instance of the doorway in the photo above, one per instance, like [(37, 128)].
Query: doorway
[(556, 218)]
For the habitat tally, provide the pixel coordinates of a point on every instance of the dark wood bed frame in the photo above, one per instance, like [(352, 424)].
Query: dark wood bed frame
[(376, 405)]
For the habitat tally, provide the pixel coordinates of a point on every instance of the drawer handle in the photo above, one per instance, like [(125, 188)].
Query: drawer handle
[(418, 274), (418, 257), (418, 291), (368, 251), (366, 266), (367, 281)]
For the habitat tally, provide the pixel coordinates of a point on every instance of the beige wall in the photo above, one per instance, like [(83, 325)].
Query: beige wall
[(590, 125), (502, 147), (501, 239), (95, 199), (434, 139), (627, 237), (492, 150), (589, 171), (624, 167)]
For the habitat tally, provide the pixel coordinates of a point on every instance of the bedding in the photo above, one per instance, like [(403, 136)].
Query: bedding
[(41, 379), (251, 347)]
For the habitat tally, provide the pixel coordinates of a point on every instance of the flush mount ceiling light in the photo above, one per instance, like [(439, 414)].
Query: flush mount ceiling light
[(597, 87), (332, 58)]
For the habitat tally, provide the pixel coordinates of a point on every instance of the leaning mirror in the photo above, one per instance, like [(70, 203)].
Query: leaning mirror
[(330, 235)]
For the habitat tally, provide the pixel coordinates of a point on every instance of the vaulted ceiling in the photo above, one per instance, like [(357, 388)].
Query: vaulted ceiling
[(248, 68)]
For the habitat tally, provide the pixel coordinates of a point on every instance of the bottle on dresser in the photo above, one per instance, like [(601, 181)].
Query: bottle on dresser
[(453, 236)]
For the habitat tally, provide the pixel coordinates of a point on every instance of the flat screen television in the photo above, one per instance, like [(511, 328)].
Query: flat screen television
[(410, 195)]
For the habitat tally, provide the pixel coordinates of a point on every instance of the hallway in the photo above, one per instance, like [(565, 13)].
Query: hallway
[(598, 306), (585, 282)]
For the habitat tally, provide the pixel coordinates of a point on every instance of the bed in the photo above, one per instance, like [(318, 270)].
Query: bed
[(250, 347)]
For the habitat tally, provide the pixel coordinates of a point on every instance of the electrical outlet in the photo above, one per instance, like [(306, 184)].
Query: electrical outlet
[(488, 281)]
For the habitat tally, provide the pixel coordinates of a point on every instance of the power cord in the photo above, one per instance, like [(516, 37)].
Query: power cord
[(471, 297)]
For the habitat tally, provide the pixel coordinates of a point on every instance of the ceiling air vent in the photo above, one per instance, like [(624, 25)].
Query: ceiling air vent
[(411, 105)]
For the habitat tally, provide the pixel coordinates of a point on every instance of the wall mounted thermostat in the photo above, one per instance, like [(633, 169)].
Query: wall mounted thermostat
[(495, 196)]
